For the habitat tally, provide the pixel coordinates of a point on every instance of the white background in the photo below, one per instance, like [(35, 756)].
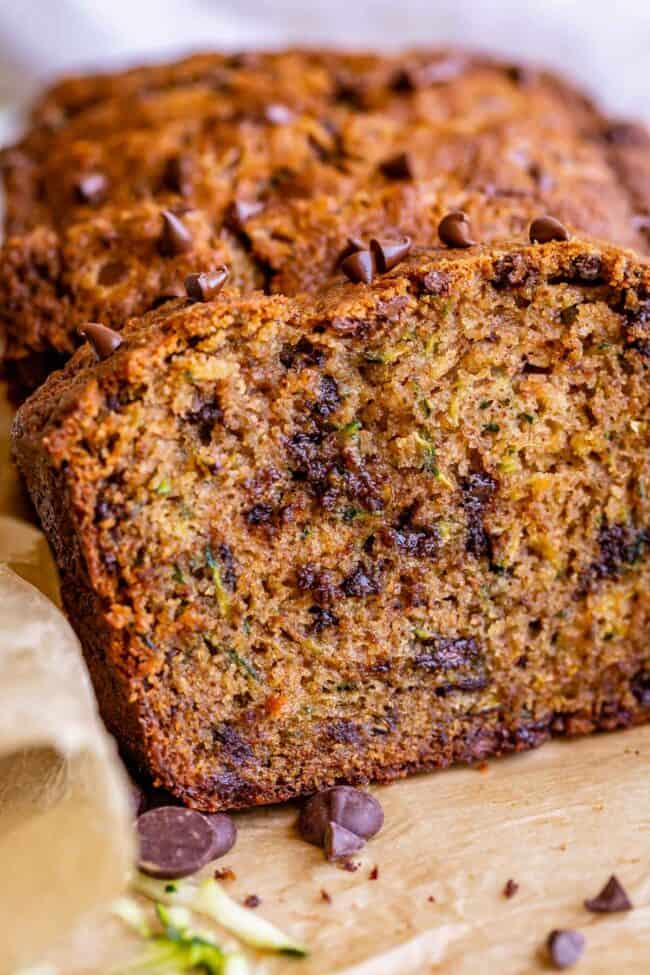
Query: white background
[(603, 44)]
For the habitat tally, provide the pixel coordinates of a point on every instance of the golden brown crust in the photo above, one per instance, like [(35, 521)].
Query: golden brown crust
[(310, 136), (346, 537)]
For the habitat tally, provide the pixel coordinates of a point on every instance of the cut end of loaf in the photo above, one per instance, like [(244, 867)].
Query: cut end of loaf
[(307, 541)]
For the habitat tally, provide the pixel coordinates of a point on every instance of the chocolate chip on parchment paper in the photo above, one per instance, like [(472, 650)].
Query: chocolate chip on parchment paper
[(565, 947), (252, 901), (354, 809), (612, 898), (340, 842), (225, 834), (173, 842)]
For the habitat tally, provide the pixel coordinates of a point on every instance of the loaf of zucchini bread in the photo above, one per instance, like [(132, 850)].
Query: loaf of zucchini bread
[(342, 538), (267, 162)]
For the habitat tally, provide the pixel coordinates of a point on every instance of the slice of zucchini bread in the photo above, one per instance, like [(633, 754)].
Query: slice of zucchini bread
[(337, 539), (125, 183)]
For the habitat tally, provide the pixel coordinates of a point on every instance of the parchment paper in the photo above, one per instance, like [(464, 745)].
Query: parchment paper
[(558, 821)]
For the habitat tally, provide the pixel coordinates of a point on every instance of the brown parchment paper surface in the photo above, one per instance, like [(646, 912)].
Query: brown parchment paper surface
[(558, 821)]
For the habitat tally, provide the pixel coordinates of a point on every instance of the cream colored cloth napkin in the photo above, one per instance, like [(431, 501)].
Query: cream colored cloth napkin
[(65, 841)]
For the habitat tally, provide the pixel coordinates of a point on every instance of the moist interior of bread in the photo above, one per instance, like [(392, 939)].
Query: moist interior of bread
[(336, 544)]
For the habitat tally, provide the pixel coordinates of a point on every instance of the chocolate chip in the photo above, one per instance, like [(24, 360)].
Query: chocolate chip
[(207, 285), (510, 888), (278, 114), (239, 212), (545, 229), (389, 253), (177, 175), (454, 230), (112, 272), (398, 167), (173, 842), (359, 267), (324, 896), (175, 238), (587, 268), (623, 133), (439, 71), (611, 899), (374, 873), (225, 834), (92, 188), (565, 947), (353, 245), (354, 809), (252, 901), (103, 340), (340, 842)]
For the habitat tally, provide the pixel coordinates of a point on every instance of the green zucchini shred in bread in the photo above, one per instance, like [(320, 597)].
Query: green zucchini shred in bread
[(269, 162), (362, 566)]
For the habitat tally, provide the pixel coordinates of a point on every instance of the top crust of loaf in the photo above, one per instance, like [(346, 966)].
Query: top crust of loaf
[(324, 145)]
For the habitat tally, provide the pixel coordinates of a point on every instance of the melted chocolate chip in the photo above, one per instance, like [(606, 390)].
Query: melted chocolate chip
[(477, 490), (92, 188), (510, 271), (112, 272), (175, 238), (389, 253), (565, 947), (240, 212), (398, 167), (206, 285), (173, 842), (640, 685), (454, 230), (353, 809), (611, 899), (259, 514), (359, 267), (302, 355), (329, 399), (436, 283), (322, 618), (177, 175), (360, 582), (545, 229), (103, 340)]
